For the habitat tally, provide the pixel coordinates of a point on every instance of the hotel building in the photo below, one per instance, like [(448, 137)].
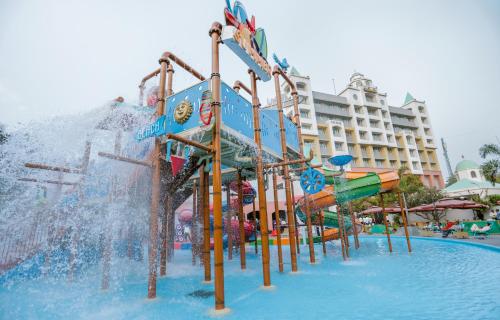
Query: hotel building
[(360, 122)]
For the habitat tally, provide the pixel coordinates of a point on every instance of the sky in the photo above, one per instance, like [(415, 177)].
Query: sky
[(67, 57)]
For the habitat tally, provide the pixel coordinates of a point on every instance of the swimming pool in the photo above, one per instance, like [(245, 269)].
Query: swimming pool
[(439, 280)]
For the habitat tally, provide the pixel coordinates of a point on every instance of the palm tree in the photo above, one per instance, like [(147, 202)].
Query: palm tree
[(491, 167)]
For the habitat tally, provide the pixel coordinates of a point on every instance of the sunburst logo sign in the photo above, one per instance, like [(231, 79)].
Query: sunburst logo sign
[(245, 40)]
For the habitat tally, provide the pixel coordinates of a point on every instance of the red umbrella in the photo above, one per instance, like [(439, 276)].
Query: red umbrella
[(424, 208), (375, 209), (448, 203)]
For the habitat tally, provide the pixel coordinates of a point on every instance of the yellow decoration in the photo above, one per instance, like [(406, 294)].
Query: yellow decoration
[(183, 112)]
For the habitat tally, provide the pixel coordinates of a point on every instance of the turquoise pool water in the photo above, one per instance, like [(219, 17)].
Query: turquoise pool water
[(439, 280)]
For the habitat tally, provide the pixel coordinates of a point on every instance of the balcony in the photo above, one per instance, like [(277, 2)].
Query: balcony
[(323, 136), (331, 110), (402, 122), (378, 155)]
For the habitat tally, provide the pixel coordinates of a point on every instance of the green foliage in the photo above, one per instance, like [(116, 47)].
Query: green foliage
[(451, 180), (491, 167), (491, 200)]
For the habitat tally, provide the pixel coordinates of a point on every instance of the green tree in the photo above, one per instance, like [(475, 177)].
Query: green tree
[(451, 180), (427, 196), (491, 167)]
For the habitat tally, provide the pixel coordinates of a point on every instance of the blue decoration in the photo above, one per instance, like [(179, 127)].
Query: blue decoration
[(312, 181), (340, 160), (282, 63), (168, 150), (237, 116)]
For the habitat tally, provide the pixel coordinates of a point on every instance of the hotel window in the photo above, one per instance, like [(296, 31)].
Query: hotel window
[(301, 86), (382, 102), (473, 174), (361, 122), (358, 110), (379, 163), (307, 126), (323, 147), (305, 114), (308, 144), (339, 146), (355, 96), (362, 135)]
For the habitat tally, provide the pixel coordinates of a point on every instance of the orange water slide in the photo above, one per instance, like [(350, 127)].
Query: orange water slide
[(326, 197)]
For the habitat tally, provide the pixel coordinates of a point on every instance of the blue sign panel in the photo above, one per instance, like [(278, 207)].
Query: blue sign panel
[(270, 127), (236, 111), (292, 138), (237, 114)]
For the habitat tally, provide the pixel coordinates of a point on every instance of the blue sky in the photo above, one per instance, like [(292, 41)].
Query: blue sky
[(60, 57)]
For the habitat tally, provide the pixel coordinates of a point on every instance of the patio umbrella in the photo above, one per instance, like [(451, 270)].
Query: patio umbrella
[(424, 208), (376, 209)]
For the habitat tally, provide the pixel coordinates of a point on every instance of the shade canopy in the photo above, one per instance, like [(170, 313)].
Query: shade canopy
[(376, 209), (449, 203)]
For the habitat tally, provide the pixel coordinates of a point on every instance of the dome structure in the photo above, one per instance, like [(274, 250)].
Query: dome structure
[(468, 169), (466, 165)]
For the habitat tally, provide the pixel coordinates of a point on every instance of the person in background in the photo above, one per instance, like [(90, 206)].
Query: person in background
[(493, 215), (498, 214)]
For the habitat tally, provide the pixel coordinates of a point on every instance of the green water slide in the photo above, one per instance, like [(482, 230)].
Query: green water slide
[(343, 191)]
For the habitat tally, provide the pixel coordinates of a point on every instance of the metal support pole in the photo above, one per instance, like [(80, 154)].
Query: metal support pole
[(382, 205), (264, 233), (229, 227), (322, 225), (155, 196), (293, 243), (354, 230), (405, 221), (294, 219), (163, 236), (255, 226), (194, 227), (205, 194), (241, 224), (278, 222), (346, 236), (215, 32), (341, 232)]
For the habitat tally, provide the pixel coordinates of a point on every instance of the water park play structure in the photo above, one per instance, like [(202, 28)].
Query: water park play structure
[(208, 134)]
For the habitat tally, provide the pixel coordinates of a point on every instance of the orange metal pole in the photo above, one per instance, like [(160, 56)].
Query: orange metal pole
[(155, 196), (229, 227), (194, 230), (286, 176), (205, 193), (143, 82), (294, 220), (241, 224), (346, 236), (354, 230), (322, 225), (255, 226), (405, 221), (163, 235), (382, 205), (301, 151), (278, 222), (264, 233), (341, 232), (215, 32)]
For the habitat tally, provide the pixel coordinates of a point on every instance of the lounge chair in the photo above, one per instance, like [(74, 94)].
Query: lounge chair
[(449, 228), (480, 233)]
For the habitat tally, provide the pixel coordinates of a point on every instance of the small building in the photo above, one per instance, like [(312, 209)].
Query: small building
[(470, 182)]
